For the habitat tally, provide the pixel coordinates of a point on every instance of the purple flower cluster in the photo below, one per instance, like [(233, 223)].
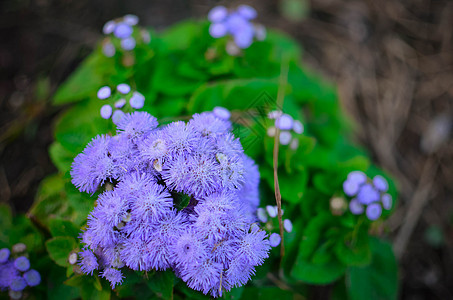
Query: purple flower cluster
[(121, 98), (181, 196), (288, 127), (265, 215), (122, 29), (236, 23), (15, 273), (369, 195)]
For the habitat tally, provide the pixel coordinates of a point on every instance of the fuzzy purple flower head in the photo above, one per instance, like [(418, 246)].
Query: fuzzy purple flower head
[(182, 196)]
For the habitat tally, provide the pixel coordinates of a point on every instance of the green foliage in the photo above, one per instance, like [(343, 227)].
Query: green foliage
[(185, 71), (59, 248), (379, 280)]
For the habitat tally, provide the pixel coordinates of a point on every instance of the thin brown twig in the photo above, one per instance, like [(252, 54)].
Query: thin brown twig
[(278, 195)]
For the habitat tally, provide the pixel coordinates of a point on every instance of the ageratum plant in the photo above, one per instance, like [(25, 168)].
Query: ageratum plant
[(181, 196), (252, 152)]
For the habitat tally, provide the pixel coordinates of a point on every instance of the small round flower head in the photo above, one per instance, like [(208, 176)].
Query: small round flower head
[(294, 144), (92, 167), (350, 187), (221, 112), (373, 211), (19, 248), (137, 100), (285, 122), (72, 258), (208, 124), (123, 88), (203, 177), (217, 14), (180, 138), (128, 43), (188, 249), (111, 208), (130, 19), (386, 201), (153, 204), (134, 254), (254, 246), (109, 27), (218, 30), (122, 30), (260, 32), (106, 111), (22, 263), (288, 225), (137, 124), (32, 277), (285, 137), (120, 103), (357, 176), (380, 183), (204, 276), (356, 207), (274, 239), (4, 255), (117, 116), (88, 262), (108, 49), (104, 92), (17, 284), (261, 214), (114, 276), (298, 127), (244, 37), (236, 23), (272, 211), (368, 194), (247, 11), (146, 37), (271, 131), (15, 295), (239, 272)]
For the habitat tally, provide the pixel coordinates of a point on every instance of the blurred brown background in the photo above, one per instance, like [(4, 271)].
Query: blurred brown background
[(392, 61)]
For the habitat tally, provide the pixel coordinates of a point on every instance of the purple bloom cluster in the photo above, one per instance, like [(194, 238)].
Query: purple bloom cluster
[(121, 98), (237, 23), (369, 195), (15, 273), (288, 128), (181, 196), (122, 29)]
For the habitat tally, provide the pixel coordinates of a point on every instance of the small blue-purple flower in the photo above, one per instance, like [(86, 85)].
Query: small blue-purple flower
[(22, 263), (373, 211), (274, 239), (4, 255), (32, 277)]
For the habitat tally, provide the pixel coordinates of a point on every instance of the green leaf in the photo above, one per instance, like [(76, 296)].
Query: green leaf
[(317, 274), (162, 284), (59, 227), (377, 281), (354, 252), (79, 125), (312, 234), (90, 287), (266, 293), (59, 248), (85, 81), (50, 199), (61, 157), (237, 94)]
